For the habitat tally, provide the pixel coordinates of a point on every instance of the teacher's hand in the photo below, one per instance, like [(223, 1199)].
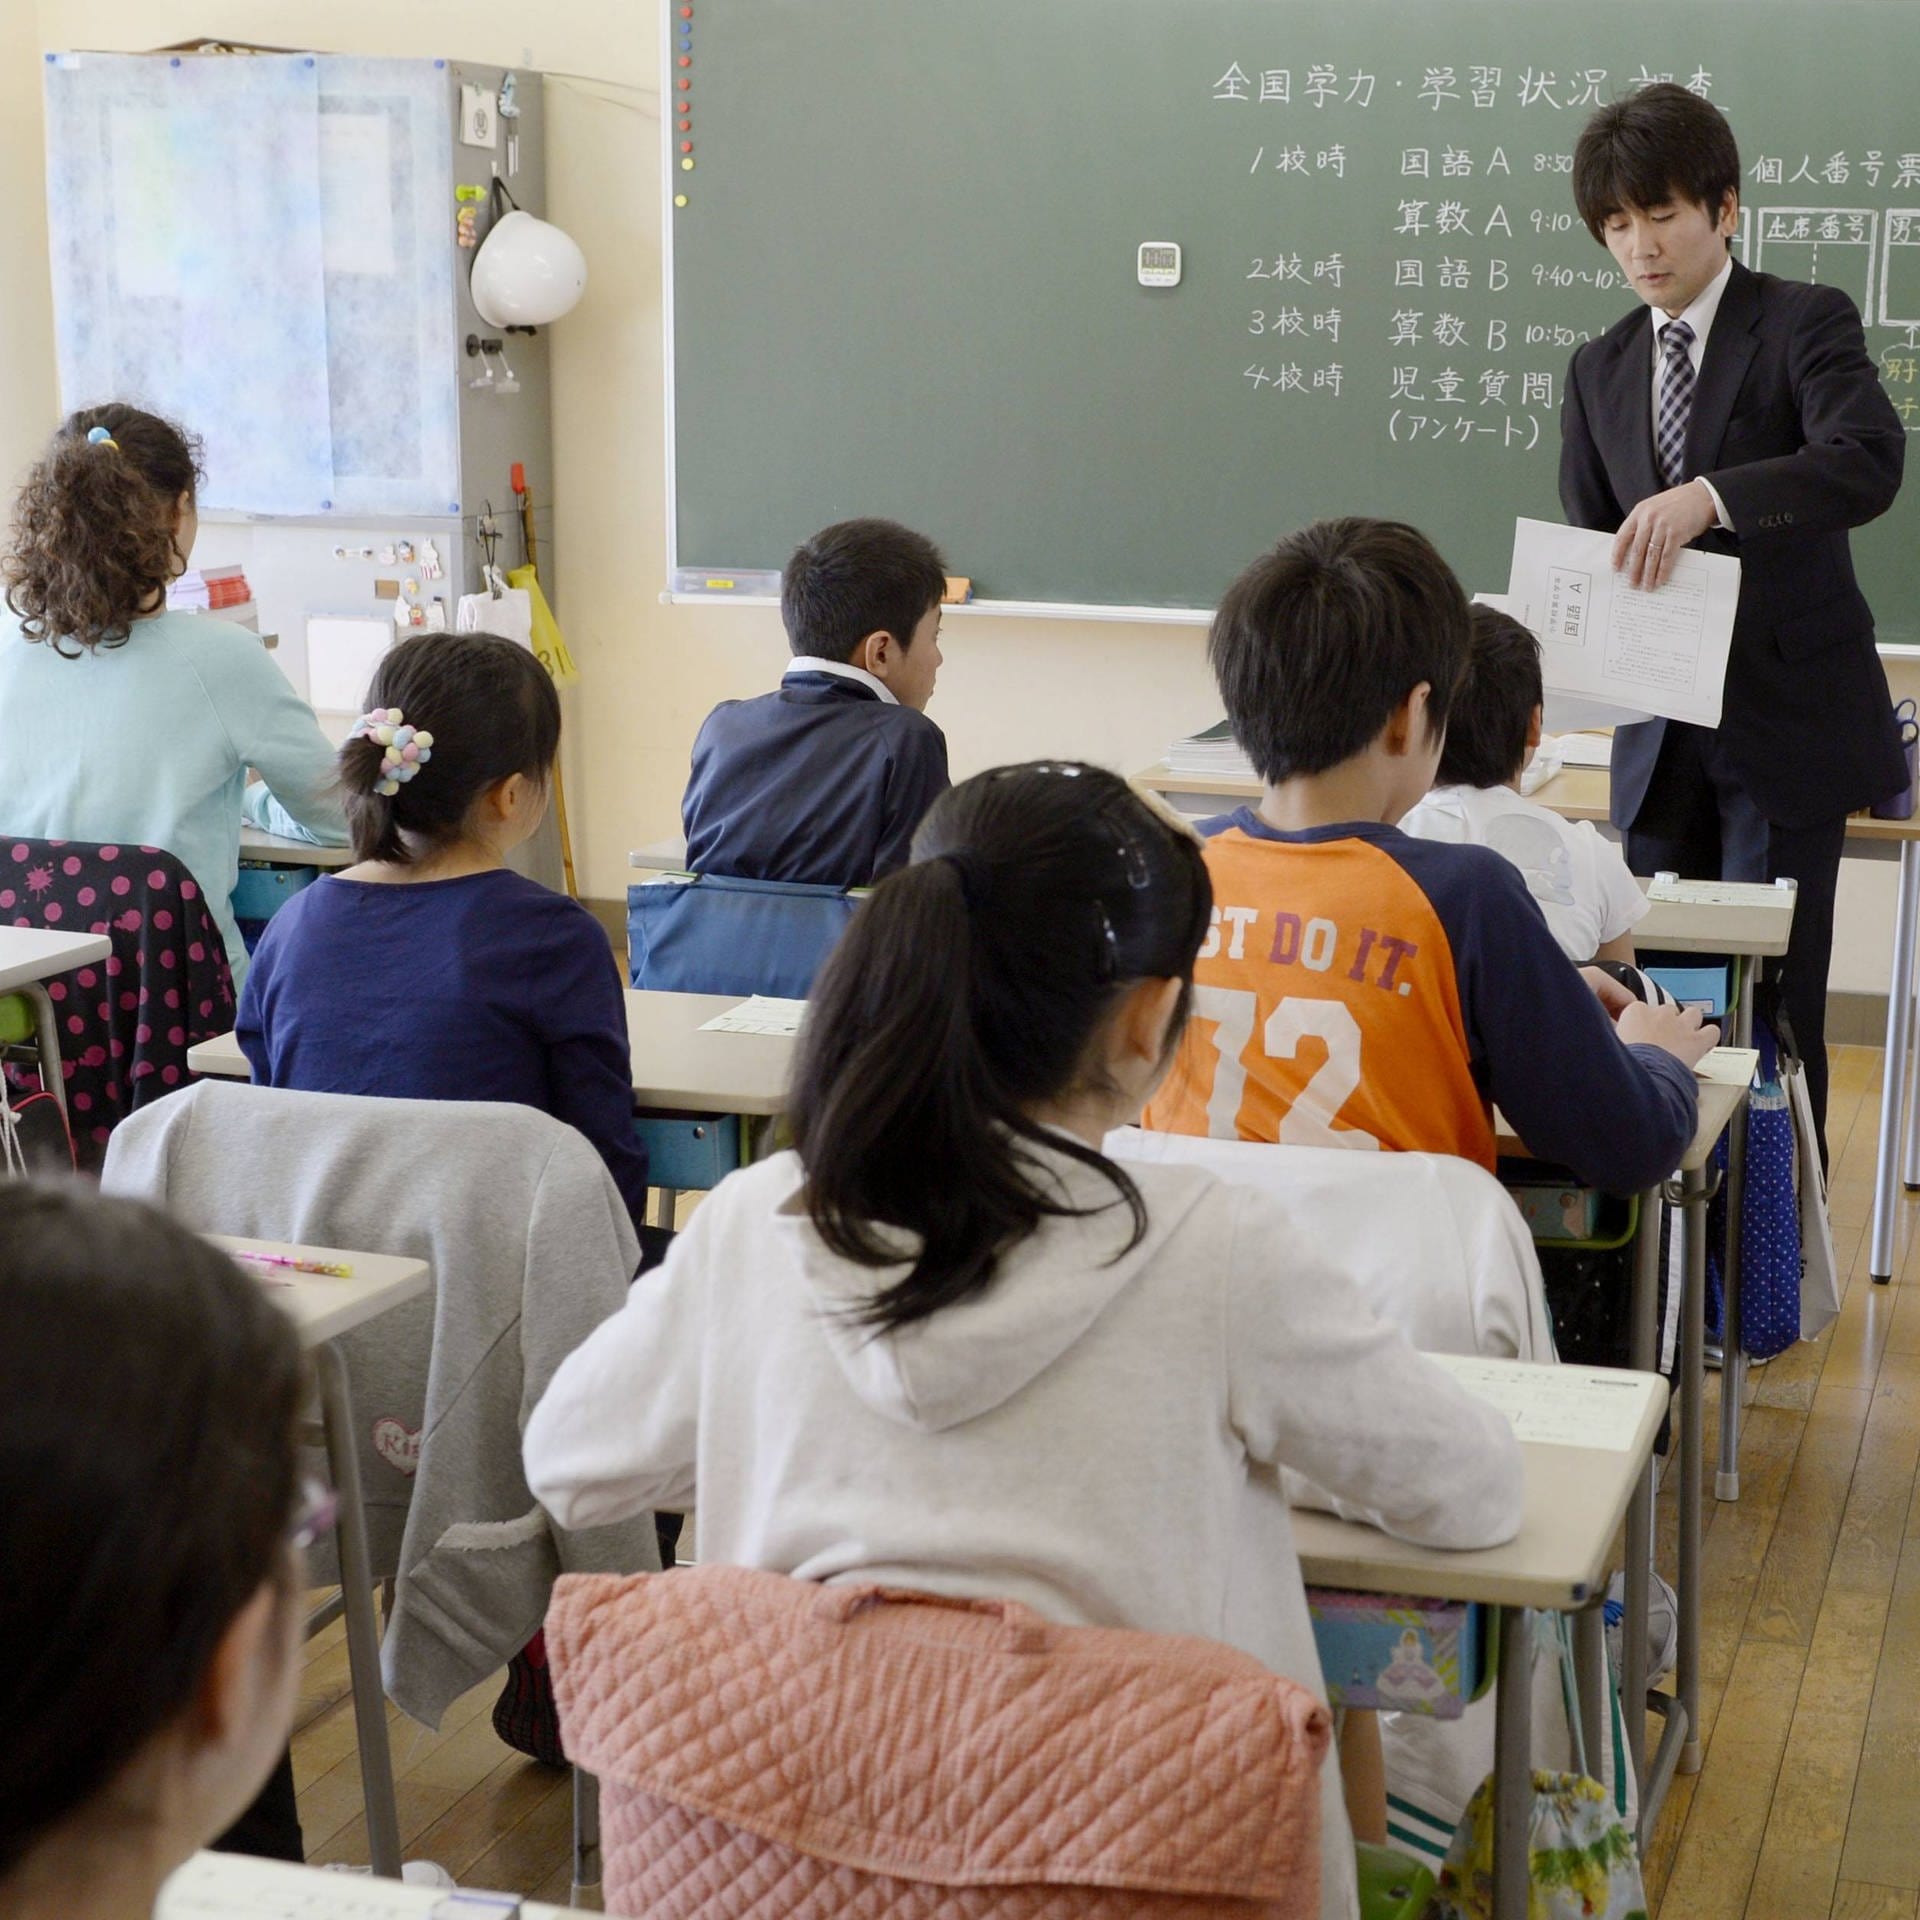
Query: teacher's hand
[(1647, 547)]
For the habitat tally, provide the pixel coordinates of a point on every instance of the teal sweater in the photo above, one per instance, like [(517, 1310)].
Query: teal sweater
[(149, 744)]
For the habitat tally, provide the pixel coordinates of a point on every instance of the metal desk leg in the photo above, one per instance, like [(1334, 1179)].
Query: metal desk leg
[(1696, 1189), (1893, 1083), (1910, 1177), (1645, 1355), (1733, 1358), (1590, 1683), (1513, 1765), (363, 1635), (46, 1042), (586, 1842)]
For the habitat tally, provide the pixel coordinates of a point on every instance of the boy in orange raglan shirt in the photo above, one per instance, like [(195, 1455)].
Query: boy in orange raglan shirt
[(1363, 989)]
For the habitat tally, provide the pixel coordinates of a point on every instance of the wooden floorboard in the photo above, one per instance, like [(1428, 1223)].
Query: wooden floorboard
[(1808, 1806)]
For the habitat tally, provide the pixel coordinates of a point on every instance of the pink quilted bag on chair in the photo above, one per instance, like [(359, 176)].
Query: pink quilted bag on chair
[(772, 1749)]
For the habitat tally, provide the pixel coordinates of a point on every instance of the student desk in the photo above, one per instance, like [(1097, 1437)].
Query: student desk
[(30, 956), (323, 1307), (258, 848), (674, 1063), (1580, 793), (661, 856), (233, 1886), (1560, 1560), (1723, 1078)]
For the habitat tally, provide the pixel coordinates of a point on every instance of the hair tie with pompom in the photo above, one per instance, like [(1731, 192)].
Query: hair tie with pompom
[(100, 437), (407, 749)]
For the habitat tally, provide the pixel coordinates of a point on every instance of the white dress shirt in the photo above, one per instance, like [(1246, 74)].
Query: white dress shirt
[(811, 663), (1699, 317)]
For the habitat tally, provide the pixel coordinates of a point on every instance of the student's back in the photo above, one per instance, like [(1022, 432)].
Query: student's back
[(947, 1344), (1580, 882), (1363, 989), (823, 781), (123, 723), (429, 970)]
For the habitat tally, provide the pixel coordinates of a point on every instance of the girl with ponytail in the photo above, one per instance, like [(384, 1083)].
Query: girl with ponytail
[(947, 1343), (127, 724)]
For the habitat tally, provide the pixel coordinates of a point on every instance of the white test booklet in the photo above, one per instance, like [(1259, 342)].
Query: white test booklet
[(1661, 653)]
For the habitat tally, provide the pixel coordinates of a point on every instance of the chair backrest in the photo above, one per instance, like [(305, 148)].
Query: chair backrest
[(711, 933), (125, 1025), (530, 1246), (774, 1747), (1434, 1243)]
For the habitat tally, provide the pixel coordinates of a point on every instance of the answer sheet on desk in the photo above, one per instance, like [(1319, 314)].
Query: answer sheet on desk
[(1664, 653), (1672, 891), (764, 1013), (1593, 1407)]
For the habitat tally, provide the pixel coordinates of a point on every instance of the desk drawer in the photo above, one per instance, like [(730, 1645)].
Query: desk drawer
[(689, 1152), (260, 892)]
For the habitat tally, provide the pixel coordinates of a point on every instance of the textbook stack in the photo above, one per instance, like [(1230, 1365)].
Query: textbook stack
[(1213, 754), (220, 590)]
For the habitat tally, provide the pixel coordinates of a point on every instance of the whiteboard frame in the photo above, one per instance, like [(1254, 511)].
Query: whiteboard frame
[(993, 609)]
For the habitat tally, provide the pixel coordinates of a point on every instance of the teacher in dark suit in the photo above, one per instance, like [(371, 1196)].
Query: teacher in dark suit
[(1739, 413)]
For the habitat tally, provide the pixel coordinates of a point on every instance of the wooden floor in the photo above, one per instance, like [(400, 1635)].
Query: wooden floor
[(1809, 1803)]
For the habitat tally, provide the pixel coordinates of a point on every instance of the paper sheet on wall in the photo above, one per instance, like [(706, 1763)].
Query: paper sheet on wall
[(1600, 639), (1555, 1406)]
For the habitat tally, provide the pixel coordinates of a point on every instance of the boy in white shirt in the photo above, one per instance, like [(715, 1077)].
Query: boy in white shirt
[(1578, 877)]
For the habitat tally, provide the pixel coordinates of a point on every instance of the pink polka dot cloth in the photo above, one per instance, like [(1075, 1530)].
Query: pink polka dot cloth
[(125, 1024)]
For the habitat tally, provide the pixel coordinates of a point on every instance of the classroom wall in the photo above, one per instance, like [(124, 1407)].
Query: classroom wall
[(1010, 689)]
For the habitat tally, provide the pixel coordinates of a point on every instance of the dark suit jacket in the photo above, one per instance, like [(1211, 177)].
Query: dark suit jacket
[(1792, 427)]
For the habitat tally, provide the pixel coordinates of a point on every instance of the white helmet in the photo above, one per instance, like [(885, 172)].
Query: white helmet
[(526, 273)]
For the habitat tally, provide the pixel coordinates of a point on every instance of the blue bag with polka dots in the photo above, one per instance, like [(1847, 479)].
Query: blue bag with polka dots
[(1770, 1219)]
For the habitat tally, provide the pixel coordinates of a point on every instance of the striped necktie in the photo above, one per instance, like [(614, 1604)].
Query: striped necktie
[(1676, 401)]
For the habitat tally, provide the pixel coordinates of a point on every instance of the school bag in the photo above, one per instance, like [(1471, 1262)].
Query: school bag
[(1582, 1863)]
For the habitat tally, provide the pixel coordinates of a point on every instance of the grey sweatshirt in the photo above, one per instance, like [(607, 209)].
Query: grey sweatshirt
[(530, 1246)]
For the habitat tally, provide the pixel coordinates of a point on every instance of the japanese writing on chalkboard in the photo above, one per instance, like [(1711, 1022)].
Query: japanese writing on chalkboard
[(1459, 331)]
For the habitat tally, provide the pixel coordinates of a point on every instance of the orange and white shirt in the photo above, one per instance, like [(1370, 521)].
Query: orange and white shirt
[(1361, 989)]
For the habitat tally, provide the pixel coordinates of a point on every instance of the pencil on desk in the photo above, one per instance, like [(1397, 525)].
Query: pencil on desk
[(328, 1268)]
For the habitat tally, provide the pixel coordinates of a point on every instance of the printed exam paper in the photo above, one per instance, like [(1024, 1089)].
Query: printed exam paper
[(1664, 653)]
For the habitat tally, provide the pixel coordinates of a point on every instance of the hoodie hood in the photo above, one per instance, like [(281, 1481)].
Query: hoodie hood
[(1047, 1292)]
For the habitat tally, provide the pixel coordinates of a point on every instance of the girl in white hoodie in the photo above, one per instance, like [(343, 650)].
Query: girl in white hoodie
[(948, 1344)]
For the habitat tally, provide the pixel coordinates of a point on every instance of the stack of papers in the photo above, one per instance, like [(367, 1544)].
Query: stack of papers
[(1584, 749), (1213, 754), (208, 590)]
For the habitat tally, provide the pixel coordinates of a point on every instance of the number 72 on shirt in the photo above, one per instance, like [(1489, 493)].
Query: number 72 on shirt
[(1225, 1019)]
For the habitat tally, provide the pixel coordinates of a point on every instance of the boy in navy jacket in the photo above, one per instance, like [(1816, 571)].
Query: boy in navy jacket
[(824, 780)]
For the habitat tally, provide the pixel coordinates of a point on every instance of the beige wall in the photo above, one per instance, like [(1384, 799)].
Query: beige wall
[(1010, 689)]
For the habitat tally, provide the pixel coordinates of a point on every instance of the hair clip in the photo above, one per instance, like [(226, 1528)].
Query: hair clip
[(407, 749), (100, 437)]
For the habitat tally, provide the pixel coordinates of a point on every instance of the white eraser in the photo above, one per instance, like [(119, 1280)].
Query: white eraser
[(1667, 877)]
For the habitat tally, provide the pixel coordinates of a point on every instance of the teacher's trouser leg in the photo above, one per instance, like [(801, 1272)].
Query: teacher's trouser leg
[(1698, 820)]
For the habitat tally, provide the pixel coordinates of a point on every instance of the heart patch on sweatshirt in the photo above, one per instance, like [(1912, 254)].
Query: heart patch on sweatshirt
[(397, 1444)]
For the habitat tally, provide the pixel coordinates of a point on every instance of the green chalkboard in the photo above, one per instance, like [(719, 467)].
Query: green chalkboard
[(904, 277)]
